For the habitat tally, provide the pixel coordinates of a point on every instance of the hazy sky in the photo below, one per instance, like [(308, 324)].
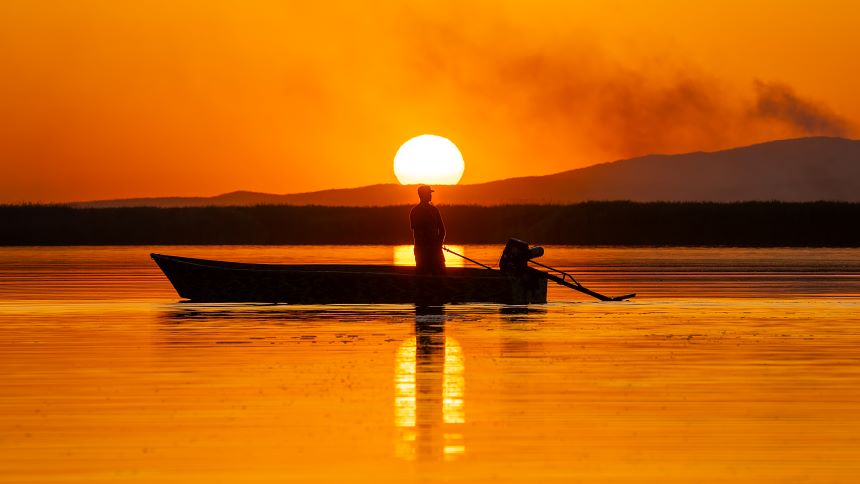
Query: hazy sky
[(110, 99)]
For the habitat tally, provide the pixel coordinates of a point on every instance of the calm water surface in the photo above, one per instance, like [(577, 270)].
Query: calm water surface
[(731, 364)]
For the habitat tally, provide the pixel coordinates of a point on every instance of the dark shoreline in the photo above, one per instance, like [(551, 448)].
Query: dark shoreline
[(742, 224)]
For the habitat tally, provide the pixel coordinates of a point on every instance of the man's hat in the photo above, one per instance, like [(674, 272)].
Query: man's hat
[(425, 189)]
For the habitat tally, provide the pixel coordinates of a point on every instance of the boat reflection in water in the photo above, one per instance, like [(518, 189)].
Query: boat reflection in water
[(429, 392)]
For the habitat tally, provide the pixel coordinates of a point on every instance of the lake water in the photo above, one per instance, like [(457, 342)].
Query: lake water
[(731, 364)]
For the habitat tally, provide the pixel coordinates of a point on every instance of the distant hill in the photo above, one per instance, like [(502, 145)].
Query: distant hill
[(796, 170)]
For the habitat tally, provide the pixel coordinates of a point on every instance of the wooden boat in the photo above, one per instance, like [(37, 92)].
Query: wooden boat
[(514, 282), (218, 281)]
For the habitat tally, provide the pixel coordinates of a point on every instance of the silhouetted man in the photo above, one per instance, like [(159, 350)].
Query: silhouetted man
[(429, 234)]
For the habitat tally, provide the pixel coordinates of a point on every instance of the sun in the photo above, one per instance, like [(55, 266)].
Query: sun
[(428, 159)]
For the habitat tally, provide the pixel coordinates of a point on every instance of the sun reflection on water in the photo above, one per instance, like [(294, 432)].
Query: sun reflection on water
[(403, 255), (429, 395)]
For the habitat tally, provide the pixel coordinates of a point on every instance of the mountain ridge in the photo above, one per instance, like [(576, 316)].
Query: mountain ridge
[(796, 170)]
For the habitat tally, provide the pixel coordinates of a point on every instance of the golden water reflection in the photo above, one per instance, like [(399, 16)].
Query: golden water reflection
[(733, 365), (403, 255), (429, 393)]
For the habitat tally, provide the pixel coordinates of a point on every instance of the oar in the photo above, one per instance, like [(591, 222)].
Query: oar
[(552, 277), (576, 286), (468, 259)]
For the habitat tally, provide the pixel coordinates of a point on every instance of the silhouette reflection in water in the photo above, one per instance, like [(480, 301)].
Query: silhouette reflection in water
[(429, 391)]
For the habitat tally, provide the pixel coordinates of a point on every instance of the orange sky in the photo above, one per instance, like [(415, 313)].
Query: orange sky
[(107, 99)]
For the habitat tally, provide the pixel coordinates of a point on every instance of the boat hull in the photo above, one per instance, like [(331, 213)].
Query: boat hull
[(203, 280)]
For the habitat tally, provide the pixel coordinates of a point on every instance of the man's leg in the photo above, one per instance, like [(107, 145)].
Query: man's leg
[(439, 261), (421, 262)]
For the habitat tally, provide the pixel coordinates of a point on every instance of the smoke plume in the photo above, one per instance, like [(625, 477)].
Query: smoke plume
[(779, 102), (566, 98)]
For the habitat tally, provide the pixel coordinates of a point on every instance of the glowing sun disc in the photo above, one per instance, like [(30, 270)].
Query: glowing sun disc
[(428, 159)]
